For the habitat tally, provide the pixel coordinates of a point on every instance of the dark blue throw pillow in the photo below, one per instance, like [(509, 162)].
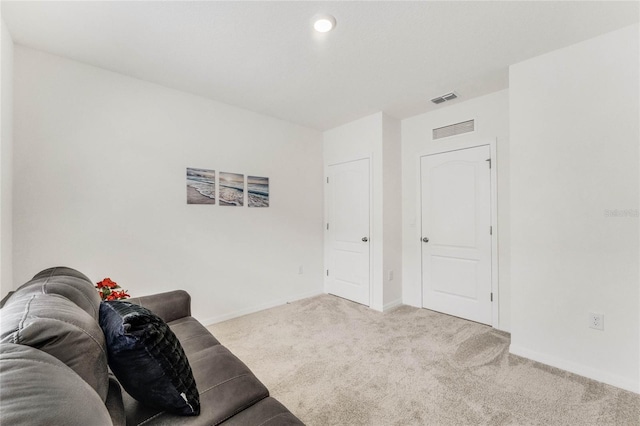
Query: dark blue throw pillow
[(147, 358)]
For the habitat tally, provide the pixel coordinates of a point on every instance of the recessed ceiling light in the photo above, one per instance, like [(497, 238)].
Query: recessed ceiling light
[(324, 23)]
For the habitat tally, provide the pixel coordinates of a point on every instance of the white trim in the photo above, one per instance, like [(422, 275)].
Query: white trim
[(457, 146), (373, 237), (392, 304), (345, 161), (582, 370), (278, 302), (495, 287)]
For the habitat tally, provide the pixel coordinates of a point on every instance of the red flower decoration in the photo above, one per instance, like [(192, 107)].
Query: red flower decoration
[(107, 290), (107, 282)]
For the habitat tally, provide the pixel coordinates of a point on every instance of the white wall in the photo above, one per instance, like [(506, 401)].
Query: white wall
[(6, 162), (491, 115), (99, 178), (375, 137), (574, 158), (392, 211)]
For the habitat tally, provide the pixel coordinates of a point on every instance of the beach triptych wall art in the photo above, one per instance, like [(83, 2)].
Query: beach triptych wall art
[(201, 188), (258, 189), (231, 189)]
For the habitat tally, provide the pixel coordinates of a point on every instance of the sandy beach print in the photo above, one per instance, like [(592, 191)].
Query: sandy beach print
[(201, 186), (258, 191), (231, 189)]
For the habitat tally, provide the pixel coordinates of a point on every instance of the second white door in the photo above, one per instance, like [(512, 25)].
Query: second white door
[(348, 231), (456, 233)]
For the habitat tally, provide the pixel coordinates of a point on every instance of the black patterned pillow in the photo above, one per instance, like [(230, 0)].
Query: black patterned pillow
[(147, 358)]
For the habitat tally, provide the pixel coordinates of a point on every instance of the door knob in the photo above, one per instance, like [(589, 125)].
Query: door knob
[(365, 239), (425, 240)]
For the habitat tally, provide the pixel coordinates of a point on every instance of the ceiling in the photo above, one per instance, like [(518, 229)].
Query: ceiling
[(264, 56)]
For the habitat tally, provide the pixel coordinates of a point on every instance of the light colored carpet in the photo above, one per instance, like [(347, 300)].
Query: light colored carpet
[(333, 362)]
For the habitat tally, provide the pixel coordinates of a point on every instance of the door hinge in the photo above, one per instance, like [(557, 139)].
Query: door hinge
[(490, 230), (489, 160), (327, 180), (327, 272), (327, 226), (492, 297)]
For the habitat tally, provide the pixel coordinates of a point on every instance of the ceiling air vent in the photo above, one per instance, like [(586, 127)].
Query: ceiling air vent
[(448, 97), (454, 129)]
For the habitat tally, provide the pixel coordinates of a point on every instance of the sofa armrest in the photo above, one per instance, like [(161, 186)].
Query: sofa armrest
[(169, 306)]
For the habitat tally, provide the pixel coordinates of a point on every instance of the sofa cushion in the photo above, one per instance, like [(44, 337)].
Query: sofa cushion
[(114, 404), (147, 358), (226, 385), (66, 282), (61, 271), (193, 336), (59, 327), (38, 389), (267, 412)]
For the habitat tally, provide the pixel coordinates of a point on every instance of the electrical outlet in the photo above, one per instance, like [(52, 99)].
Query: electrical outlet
[(596, 321), (390, 275), (300, 270)]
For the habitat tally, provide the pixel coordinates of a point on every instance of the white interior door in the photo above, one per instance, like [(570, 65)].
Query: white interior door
[(456, 239), (347, 231)]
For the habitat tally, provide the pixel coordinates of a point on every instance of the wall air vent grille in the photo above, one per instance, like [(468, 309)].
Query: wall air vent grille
[(454, 129)]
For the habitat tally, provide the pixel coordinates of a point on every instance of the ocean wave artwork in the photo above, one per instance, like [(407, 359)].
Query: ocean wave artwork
[(201, 186), (258, 191), (231, 189)]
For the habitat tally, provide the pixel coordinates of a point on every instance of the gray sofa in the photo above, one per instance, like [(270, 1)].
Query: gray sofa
[(53, 363)]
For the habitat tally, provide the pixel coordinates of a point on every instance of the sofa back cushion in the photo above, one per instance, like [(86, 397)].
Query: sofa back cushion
[(38, 389), (65, 282), (57, 326), (61, 271)]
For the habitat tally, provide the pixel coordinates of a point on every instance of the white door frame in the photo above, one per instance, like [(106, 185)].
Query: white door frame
[(372, 238), (459, 145)]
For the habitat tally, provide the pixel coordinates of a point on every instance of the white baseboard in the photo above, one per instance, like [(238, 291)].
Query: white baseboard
[(506, 330), (272, 304), (625, 383), (391, 305)]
